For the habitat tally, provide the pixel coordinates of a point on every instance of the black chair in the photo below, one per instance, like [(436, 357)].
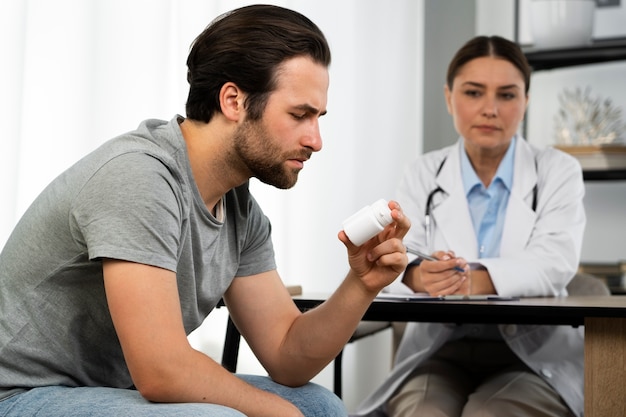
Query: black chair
[(364, 329)]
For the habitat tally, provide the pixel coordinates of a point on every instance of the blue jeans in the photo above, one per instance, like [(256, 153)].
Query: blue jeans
[(56, 401)]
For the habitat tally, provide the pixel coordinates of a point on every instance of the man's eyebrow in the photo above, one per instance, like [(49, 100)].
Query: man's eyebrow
[(310, 109)]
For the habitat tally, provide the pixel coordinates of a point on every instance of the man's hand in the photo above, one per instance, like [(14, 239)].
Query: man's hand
[(381, 259)]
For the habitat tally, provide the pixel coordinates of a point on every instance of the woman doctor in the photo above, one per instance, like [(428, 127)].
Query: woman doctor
[(512, 217)]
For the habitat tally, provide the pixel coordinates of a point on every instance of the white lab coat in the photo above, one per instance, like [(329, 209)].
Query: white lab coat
[(539, 254)]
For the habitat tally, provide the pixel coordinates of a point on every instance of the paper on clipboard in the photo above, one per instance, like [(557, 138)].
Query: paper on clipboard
[(406, 296), (427, 297)]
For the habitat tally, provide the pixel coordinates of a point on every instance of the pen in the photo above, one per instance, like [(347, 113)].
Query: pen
[(430, 258)]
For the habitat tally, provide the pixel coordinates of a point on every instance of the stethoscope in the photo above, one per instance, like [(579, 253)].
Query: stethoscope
[(429, 202), (429, 221)]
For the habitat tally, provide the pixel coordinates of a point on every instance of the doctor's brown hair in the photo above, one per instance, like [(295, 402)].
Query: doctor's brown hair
[(489, 46), (246, 46)]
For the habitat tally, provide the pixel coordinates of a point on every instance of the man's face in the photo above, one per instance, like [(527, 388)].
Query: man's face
[(275, 147)]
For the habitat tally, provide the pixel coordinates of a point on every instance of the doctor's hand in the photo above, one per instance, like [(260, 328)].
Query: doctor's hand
[(441, 277), (379, 261)]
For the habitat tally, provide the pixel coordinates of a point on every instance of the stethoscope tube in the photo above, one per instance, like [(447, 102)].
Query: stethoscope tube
[(427, 215), (429, 201)]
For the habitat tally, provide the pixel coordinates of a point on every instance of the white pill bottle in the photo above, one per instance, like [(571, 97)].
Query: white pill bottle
[(367, 222)]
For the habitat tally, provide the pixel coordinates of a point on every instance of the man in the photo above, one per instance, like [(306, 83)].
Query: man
[(125, 253)]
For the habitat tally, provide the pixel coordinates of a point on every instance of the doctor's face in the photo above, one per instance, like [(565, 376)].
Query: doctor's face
[(487, 103)]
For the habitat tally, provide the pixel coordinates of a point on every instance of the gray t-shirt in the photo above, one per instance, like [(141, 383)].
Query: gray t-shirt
[(134, 199)]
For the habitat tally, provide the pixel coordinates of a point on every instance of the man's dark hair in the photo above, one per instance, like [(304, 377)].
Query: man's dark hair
[(246, 46)]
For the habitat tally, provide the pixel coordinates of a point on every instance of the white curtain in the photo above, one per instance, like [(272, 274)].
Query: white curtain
[(75, 73)]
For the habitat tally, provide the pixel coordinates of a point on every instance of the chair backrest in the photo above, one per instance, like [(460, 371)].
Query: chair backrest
[(587, 284)]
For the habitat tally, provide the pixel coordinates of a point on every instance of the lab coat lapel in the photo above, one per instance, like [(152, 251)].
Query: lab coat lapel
[(520, 217), (454, 229)]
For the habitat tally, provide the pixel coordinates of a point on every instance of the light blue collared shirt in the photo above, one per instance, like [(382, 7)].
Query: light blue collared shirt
[(487, 206)]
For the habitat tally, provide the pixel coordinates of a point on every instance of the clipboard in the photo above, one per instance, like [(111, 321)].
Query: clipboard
[(426, 297)]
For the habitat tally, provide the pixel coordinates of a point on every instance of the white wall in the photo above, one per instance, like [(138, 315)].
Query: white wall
[(440, 45), (495, 17)]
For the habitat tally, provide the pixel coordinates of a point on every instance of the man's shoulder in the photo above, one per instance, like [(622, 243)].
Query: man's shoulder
[(153, 140), (152, 136)]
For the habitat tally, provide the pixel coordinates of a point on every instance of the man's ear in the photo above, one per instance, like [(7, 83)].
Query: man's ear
[(232, 101)]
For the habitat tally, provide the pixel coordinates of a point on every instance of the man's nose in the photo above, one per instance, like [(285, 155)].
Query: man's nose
[(313, 138)]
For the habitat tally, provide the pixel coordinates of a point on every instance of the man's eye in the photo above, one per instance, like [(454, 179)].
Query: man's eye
[(298, 116)]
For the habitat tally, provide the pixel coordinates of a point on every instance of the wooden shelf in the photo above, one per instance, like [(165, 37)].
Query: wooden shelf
[(597, 52)]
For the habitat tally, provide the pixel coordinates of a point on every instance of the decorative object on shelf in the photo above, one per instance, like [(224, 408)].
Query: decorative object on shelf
[(590, 129), (587, 120), (561, 23)]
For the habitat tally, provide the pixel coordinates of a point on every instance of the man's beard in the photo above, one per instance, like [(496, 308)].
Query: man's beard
[(262, 156)]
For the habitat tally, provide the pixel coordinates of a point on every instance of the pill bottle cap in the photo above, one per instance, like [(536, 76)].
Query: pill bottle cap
[(381, 211)]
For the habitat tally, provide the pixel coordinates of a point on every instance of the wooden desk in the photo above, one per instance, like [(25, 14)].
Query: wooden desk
[(604, 318)]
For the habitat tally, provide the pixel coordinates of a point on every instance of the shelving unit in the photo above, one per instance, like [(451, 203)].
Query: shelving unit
[(605, 175), (597, 52)]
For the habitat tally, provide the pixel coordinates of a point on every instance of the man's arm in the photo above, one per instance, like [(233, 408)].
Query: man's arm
[(292, 346), (145, 308)]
